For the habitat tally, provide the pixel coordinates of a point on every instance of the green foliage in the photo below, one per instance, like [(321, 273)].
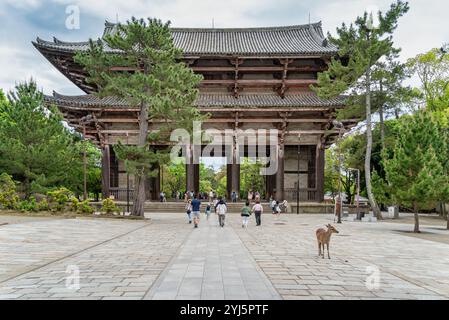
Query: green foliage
[(360, 47), (59, 198), (331, 174), (414, 171), (8, 195), (35, 147), (85, 207), (74, 204), (381, 189), (162, 86), (432, 69), (29, 205), (109, 206), (43, 205), (250, 177)]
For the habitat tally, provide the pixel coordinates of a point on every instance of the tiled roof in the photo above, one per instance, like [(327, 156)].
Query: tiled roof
[(209, 100), (291, 40)]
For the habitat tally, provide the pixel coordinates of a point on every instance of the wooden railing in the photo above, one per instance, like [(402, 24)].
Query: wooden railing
[(120, 194), (306, 194)]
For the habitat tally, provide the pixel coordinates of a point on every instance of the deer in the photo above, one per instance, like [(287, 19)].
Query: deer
[(323, 237)]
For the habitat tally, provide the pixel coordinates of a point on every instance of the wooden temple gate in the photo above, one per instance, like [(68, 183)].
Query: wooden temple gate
[(254, 78)]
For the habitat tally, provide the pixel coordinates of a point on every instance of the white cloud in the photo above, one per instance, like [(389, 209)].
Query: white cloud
[(423, 27)]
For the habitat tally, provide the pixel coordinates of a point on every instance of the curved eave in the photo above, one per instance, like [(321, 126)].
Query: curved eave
[(207, 101)]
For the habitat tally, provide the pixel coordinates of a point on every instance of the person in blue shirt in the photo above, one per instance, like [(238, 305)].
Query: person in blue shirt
[(196, 204)]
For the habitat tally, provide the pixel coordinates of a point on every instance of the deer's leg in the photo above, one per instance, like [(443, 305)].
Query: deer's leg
[(319, 248), (322, 255), (328, 255)]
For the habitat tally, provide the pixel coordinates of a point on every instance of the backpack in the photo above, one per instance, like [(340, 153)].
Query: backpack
[(221, 209)]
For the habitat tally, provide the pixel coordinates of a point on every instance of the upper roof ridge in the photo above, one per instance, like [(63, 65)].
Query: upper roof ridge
[(110, 25)]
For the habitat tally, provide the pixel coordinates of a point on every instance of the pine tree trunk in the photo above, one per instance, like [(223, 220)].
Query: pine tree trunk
[(369, 146), (381, 120), (415, 210), (139, 184), (139, 196)]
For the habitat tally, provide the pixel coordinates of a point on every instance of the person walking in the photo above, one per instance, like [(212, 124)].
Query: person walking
[(234, 196), (246, 212), (188, 208), (250, 196), (196, 203), (273, 206), (207, 211), (258, 210), (277, 209), (221, 210)]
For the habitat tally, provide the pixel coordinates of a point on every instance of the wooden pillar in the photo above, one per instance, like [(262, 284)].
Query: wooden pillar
[(280, 173), (189, 177), (228, 180), (190, 169), (235, 186), (105, 171), (196, 178), (319, 176)]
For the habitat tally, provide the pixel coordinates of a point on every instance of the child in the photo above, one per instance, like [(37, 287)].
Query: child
[(246, 212), (273, 206), (207, 211), (277, 209), (189, 210)]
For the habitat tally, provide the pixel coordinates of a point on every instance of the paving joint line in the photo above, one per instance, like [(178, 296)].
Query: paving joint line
[(74, 253), (150, 292)]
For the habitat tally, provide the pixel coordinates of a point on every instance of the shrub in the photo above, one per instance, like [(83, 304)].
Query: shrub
[(59, 198), (8, 196), (74, 204), (43, 205), (30, 205), (85, 207), (109, 206)]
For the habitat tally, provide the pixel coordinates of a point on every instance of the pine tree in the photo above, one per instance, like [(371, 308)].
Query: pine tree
[(161, 86), (361, 45), (414, 172), (35, 147)]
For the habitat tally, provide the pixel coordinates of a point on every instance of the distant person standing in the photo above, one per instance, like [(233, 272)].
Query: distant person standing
[(250, 196), (258, 210), (221, 210), (188, 208), (211, 196), (196, 203), (234, 196), (246, 212), (257, 196)]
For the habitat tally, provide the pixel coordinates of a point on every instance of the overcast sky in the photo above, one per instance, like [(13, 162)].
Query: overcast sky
[(426, 25)]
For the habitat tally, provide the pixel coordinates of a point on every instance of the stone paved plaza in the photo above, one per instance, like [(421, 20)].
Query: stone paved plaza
[(165, 258)]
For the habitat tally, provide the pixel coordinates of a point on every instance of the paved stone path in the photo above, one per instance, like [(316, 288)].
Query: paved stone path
[(167, 259), (213, 264)]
